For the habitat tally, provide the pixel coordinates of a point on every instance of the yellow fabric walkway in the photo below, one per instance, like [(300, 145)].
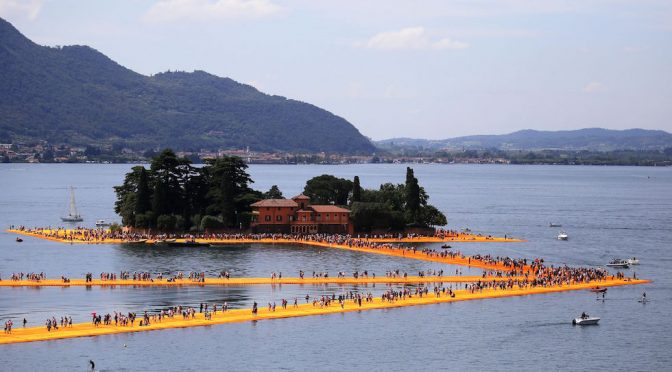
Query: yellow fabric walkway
[(87, 329), (254, 281)]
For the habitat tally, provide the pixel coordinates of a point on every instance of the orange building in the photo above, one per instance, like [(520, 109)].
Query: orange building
[(298, 216)]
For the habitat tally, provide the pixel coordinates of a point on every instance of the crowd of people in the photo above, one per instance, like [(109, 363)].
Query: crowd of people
[(82, 234)]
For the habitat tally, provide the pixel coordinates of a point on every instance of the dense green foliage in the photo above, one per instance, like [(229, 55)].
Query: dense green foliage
[(273, 193), (174, 195), (78, 96), (327, 189), (391, 207)]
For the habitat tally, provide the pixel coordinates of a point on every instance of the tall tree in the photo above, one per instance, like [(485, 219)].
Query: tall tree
[(229, 190), (413, 200), (126, 197), (143, 195), (170, 175), (327, 189), (273, 193), (356, 191)]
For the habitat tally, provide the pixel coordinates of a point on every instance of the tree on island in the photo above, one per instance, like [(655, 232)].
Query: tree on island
[(394, 207), (327, 189), (173, 195), (356, 190), (273, 193)]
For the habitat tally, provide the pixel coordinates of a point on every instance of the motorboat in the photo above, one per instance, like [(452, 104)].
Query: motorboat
[(585, 319), (73, 215), (598, 290), (102, 223), (633, 261), (19, 240), (554, 225), (137, 241), (164, 241), (563, 236), (619, 264), (445, 246), (187, 243)]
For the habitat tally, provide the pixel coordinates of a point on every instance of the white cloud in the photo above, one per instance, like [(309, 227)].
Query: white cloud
[(411, 38), (594, 87), (209, 10), (24, 8)]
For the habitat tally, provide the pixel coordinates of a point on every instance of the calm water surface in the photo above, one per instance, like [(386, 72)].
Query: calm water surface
[(607, 211)]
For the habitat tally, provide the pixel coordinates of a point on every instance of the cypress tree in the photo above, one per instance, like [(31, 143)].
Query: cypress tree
[(356, 190), (142, 195), (412, 191)]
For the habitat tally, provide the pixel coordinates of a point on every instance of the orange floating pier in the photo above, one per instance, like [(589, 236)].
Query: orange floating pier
[(254, 281), (232, 316), (86, 236), (359, 245)]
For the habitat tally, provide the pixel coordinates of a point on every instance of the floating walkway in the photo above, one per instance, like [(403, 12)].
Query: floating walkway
[(254, 281), (87, 236), (359, 245), (243, 315)]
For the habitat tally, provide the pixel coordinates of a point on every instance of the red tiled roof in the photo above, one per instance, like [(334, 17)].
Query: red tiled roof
[(328, 209), (300, 196), (275, 203)]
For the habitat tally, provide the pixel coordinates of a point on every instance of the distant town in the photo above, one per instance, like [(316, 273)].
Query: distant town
[(44, 152)]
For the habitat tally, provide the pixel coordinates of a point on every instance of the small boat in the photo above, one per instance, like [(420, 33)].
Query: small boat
[(73, 215), (586, 320), (102, 223), (619, 264), (138, 241), (633, 261), (598, 290), (188, 243), (445, 246), (563, 236), (19, 240), (554, 225), (165, 241)]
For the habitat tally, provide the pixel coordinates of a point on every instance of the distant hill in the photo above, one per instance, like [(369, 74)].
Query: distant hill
[(77, 95), (594, 139)]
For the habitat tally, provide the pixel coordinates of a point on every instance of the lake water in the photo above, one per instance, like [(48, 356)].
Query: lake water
[(607, 211)]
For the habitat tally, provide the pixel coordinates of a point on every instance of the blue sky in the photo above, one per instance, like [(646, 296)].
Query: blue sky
[(426, 69)]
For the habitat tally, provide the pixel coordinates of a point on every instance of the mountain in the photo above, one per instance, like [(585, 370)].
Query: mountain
[(594, 139), (77, 95)]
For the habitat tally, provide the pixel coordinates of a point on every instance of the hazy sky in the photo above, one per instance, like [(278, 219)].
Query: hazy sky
[(430, 69)]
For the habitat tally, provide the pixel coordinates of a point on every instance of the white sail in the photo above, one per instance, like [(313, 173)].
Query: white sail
[(73, 215), (73, 207)]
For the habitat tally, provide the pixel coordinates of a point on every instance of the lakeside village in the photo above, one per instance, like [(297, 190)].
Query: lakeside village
[(43, 152)]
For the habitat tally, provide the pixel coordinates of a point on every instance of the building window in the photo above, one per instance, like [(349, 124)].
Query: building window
[(278, 218), (267, 218)]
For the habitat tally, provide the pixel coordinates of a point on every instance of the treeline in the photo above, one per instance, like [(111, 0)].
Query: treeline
[(174, 195), (561, 157)]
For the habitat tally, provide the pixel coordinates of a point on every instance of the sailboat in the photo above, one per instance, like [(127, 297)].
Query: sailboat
[(73, 215)]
